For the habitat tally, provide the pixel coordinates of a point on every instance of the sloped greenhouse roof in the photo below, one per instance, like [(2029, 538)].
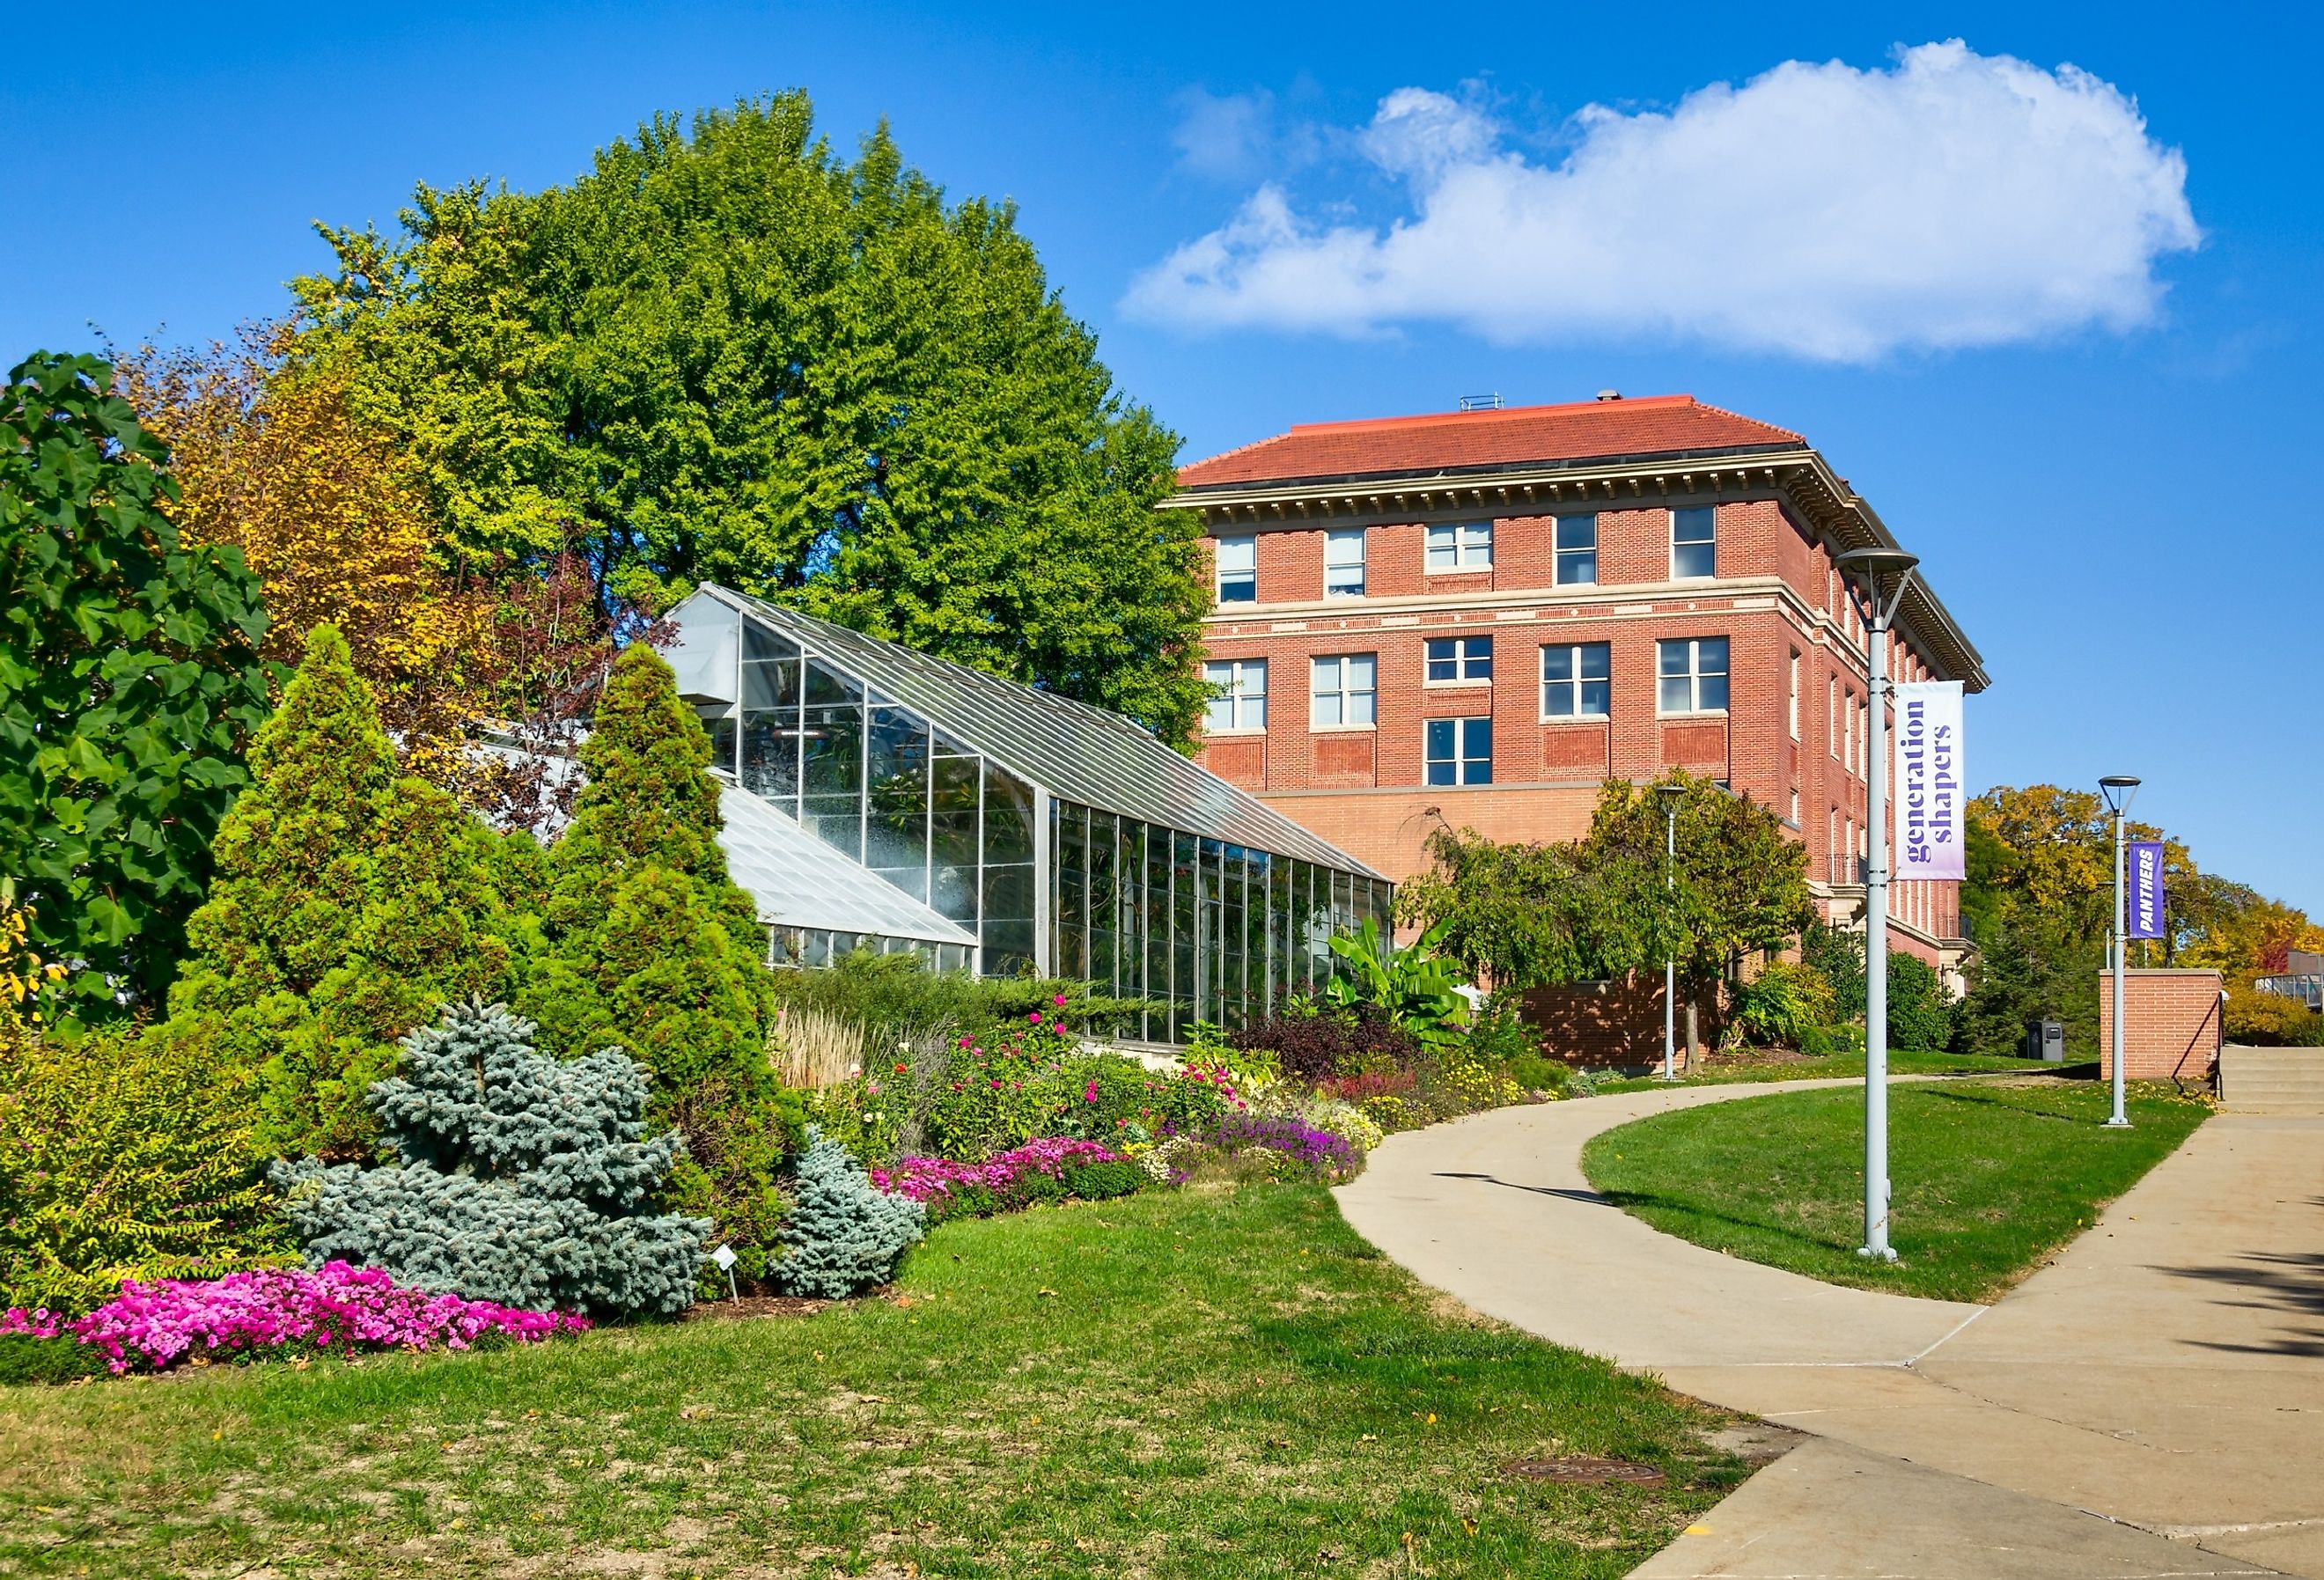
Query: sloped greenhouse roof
[(1074, 751), (798, 881)]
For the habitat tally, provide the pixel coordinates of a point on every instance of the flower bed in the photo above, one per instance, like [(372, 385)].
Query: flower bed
[(1049, 1170), (1287, 1148), (336, 1307)]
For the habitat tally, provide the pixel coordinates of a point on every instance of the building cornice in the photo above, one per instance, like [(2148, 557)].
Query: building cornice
[(1798, 477)]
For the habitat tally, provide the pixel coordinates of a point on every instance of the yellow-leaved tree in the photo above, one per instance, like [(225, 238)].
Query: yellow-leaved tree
[(274, 461)]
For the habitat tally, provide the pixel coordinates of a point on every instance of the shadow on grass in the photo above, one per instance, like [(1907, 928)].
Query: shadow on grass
[(1629, 1201), (1972, 1096)]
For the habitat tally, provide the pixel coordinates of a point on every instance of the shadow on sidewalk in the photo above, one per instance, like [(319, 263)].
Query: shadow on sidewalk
[(1588, 1197), (2287, 1281)]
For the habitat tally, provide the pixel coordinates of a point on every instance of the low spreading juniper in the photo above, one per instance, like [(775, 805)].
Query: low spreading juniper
[(522, 1180)]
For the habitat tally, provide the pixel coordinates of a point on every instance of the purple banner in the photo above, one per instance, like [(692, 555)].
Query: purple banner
[(2142, 897)]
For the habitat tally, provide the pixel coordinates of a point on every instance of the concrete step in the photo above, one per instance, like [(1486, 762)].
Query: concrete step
[(2271, 1080)]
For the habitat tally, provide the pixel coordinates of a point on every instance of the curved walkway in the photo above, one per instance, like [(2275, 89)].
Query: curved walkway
[(2151, 1403)]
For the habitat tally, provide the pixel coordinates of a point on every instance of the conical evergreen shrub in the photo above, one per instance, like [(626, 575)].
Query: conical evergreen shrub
[(846, 1235), (348, 904), (653, 948), (523, 1179)]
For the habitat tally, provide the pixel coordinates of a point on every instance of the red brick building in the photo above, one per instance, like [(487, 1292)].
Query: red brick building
[(1483, 616)]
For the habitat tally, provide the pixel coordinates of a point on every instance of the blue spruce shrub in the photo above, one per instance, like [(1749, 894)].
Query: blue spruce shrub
[(522, 1180), (845, 1233)]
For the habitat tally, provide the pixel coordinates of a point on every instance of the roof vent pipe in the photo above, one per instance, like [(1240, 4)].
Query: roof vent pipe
[(1491, 403), (1609, 394)]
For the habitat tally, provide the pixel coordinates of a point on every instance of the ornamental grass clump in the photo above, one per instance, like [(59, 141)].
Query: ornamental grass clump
[(524, 1182), (846, 1235), (152, 1327)]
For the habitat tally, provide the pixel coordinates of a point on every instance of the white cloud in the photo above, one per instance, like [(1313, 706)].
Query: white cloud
[(1952, 200), (1224, 136)]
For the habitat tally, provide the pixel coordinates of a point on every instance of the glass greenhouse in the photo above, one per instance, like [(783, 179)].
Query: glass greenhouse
[(900, 801)]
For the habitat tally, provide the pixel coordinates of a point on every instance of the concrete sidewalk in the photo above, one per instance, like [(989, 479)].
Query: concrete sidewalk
[(2153, 1403)]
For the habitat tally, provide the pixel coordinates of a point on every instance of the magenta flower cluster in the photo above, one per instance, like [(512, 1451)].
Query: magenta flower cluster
[(335, 1306), (926, 1179)]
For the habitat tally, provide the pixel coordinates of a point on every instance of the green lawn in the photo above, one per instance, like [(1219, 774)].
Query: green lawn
[(1724, 1071), (1196, 1382), (1989, 1177)]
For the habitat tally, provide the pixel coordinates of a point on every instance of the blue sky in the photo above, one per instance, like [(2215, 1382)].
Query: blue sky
[(2078, 383)]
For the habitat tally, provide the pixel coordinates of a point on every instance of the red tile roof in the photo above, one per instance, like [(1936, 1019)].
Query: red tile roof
[(1452, 442)]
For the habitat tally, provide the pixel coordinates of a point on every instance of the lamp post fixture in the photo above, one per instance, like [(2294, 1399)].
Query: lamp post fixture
[(2118, 788), (1884, 574), (1670, 795)]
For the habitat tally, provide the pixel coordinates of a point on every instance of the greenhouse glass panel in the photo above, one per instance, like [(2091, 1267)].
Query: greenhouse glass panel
[(1104, 902), (896, 827), (1007, 818), (1007, 927), (1071, 957), (952, 822), (1185, 932), (771, 730), (1281, 930), (1233, 937), (1344, 902), (831, 776), (1255, 931), (1006, 924), (1157, 930), (758, 642)]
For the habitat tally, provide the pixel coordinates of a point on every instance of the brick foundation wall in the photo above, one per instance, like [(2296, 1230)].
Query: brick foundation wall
[(2171, 1028)]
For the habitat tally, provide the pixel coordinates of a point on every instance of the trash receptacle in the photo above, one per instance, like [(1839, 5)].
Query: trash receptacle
[(2046, 1040)]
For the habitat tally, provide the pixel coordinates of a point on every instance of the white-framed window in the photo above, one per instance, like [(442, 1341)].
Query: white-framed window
[(1848, 730), (1343, 690), (1795, 806), (1458, 751), (1792, 703), (1693, 671), (1238, 566), (1343, 562), (1831, 716), (1460, 658), (1577, 681), (1460, 546), (1238, 696), (1577, 550), (1694, 544)]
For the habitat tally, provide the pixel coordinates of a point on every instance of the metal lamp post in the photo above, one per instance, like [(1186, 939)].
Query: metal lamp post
[(1885, 574), (1670, 795), (2118, 788)]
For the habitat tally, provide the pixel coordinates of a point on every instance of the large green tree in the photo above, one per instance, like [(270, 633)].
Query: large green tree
[(130, 679), (727, 354)]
